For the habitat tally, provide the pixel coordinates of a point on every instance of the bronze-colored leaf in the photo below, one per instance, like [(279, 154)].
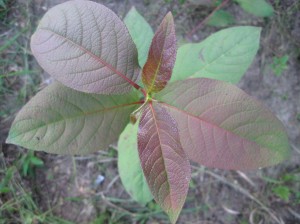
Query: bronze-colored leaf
[(221, 126), (164, 163), (161, 59), (85, 46)]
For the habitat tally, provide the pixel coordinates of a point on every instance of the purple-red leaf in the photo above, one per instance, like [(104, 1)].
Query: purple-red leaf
[(164, 163), (161, 59), (85, 46), (221, 126)]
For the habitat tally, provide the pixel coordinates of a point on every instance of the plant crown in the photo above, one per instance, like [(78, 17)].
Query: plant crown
[(181, 111)]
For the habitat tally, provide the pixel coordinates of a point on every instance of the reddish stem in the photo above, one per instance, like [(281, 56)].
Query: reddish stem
[(143, 91)]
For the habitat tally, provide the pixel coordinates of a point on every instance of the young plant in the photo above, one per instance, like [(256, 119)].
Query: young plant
[(28, 162), (280, 64), (88, 49), (4, 183)]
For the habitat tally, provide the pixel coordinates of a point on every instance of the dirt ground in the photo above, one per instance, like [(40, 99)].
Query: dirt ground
[(66, 187)]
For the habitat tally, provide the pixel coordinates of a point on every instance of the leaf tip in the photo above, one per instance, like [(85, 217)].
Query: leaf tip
[(9, 140), (12, 137), (133, 9), (173, 215), (169, 17)]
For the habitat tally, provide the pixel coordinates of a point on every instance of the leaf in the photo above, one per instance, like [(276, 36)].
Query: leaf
[(257, 7), (3, 4), (282, 192), (279, 64), (221, 18), (221, 126), (85, 46), (4, 190), (162, 54), (25, 167), (4, 183), (141, 33), (64, 121), (165, 165), (225, 55), (36, 161), (130, 170)]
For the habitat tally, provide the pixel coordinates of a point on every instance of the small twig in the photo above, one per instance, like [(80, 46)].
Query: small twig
[(103, 197), (294, 213), (112, 183), (247, 194), (295, 148), (246, 178), (194, 30)]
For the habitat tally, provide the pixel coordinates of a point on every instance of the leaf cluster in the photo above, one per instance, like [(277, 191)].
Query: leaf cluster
[(107, 72)]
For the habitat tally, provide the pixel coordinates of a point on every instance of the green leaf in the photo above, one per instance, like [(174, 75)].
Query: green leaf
[(141, 33), (2, 4), (165, 165), (64, 121), (129, 166), (36, 161), (187, 61), (5, 181), (225, 55), (221, 126), (221, 18), (4, 190), (282, 192), (162, 54), (257, 7), (25, 167), (85, 46), (290, 178), (279, 64)]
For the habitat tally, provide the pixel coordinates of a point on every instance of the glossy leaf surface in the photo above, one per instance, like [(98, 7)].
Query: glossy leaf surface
[(162, 54), (129, 165), (141, 33), (257, 7), (225, 55), (64, 121), (85, 46), (163, 161), (221, 126)]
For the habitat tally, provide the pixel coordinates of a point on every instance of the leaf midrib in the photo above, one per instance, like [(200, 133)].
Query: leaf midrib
[(97, 58), (163, 159), (209, 123), (160, 60), (76, 116)]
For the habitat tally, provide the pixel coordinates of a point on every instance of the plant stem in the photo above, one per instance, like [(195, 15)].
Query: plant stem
[(135, 114), (189, 35)]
